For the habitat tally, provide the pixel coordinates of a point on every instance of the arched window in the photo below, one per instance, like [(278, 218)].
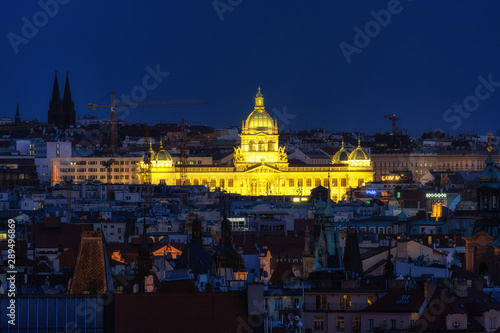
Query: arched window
[(483, 268), (251, 146), (270, 146), (262, 146)]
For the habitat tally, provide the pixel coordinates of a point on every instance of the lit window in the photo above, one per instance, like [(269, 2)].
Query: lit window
[(319, 324), (345, 302), (340, 323), (456, 325), (321, 303)]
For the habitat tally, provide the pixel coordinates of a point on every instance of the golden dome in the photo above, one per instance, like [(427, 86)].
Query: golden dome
[(162, 155), (358, 153), (259, 120), (342, 156)]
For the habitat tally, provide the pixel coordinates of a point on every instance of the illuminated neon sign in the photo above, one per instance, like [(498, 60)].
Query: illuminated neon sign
[(391, 178), (371, 192)]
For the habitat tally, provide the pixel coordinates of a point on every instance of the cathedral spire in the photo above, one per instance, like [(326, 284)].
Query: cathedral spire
[(56, 115), (18, 115), (56, 96), (67, 90), (68, 105)]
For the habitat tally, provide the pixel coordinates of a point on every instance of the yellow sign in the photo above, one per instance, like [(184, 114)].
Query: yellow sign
[(391, 178)]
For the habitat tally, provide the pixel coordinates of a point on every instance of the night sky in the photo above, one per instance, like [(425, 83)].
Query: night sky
[(427, 58)]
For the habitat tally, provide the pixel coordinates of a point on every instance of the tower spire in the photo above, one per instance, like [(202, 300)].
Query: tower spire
[(56, 96), (56, 114), (259, 100), (68, 105), (67, 90), (18, 115)]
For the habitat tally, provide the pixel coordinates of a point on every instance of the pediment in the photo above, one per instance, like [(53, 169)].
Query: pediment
[(481, 238), (262, 168)]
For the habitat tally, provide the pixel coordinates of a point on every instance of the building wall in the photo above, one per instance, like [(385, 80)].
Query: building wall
[(267, 181), (420, 164), (181, 312), (79, 169)]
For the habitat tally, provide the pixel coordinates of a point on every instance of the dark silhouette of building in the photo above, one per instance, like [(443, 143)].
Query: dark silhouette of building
[(61, 112), (18, 115), (483, 240)]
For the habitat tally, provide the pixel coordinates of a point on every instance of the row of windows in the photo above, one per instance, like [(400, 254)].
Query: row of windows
[(97, 162), (82, 177), (291, 182), (261, 146), (424, 164), (95, 170), (190, 162), (319, 324)]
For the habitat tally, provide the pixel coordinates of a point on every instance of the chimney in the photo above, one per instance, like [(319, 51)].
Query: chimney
[(429, 289), (460, 288)]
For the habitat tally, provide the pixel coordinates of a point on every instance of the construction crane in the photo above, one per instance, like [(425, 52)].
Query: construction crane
[(394, 119), (184, 140), (114, 105)]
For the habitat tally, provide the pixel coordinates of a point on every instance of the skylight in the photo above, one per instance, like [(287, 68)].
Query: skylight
[(403, 299)]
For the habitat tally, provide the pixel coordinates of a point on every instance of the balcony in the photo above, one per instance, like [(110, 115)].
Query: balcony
[(334, 307)]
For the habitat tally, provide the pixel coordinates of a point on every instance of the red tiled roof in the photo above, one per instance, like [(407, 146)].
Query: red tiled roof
[(475, 304), (398, 301), (67, 259)]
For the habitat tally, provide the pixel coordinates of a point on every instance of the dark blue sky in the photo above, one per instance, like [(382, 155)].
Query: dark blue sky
[(426, 59)]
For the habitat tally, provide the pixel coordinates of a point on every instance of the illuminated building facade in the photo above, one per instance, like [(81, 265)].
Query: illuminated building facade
[(260, 167), (419, 164)]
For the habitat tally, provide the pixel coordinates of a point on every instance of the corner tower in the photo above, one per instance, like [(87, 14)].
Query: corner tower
[(483, 240), (259, 140)]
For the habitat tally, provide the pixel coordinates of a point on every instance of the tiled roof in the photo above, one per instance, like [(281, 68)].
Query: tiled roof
[(475, 304), (398, 301)]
